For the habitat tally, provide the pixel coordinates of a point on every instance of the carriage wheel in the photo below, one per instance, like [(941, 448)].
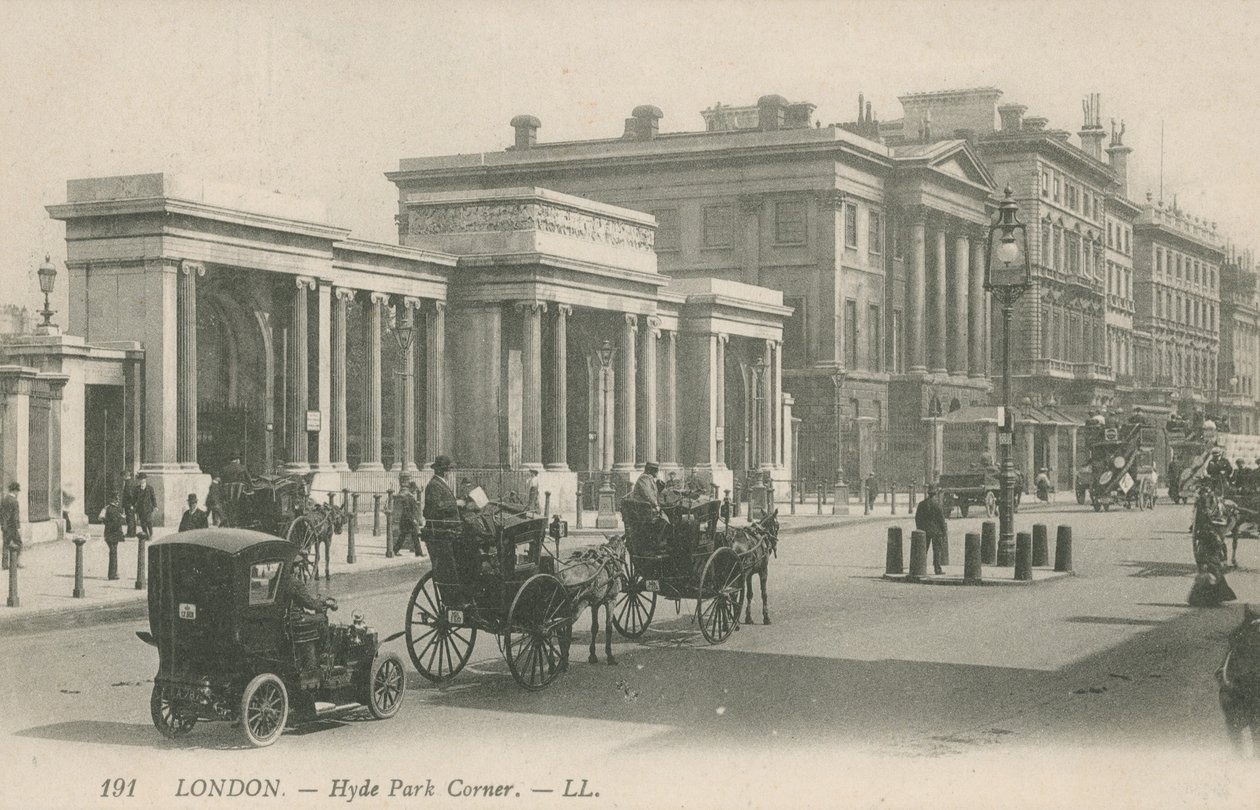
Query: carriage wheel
[(990, 503), (302, 534), (169, 717), (721, 596), (633, 608), (533, 644), (264, 710), (438, 648)]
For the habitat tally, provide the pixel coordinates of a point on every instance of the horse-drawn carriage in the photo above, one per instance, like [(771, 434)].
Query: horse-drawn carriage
[(280, 505), (679, 554), (1120, 465), (490, 574)]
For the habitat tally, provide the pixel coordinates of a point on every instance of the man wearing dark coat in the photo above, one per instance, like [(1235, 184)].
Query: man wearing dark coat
[(194, 517), (113, 517), (234, 472), (929, 518), (11, 524), (128, 502), (440, 502), (145, 504), (407, 517)]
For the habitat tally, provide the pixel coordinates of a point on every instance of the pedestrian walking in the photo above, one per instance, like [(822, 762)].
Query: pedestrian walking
[(929, 518), (872, 487), (113, 517), (407, 517), (532, 502), (194, 517), (11, 524), (128, 502), (145, 503), (214, 501)]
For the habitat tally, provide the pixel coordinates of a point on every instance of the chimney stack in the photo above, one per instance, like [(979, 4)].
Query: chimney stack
[(1118, 157), (1011, 116), (770, 112), (526, 127), (1092, 133), (643, 123), (799, 115)]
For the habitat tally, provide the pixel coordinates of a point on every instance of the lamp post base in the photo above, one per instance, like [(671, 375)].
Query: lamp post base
[(840, 499)]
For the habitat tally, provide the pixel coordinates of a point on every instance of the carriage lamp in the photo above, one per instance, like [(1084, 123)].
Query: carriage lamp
[(47, 281), (605, 353), (1007, 274), (404, 331)]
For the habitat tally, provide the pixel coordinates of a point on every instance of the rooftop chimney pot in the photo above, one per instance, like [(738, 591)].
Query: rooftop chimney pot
[(526, 127), (1010, 114), (770, 110), (643, 122)]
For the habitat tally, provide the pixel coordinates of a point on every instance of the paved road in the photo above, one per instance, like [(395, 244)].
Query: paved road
[(861, 692)]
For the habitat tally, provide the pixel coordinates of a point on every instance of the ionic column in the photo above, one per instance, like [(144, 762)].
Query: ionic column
[(299, 392), (936, 323), (557, 456), (647, 442), (669, 432), (371, 457), (435, 380), (323, 382), (916, 276), (407, 424), (531, 382), (186, 365), (719, 432), (958, 298), (626, 398), (978, 337), (337, 421), (765, 415)]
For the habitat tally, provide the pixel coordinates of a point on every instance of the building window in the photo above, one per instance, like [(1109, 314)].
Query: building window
[(1045, 183), (875, 232), (789, 222), (719, 226), (667, 229), (850, 333), (873, 338), (896, 351), (1127, 248), (850, 226), (1056, 188)]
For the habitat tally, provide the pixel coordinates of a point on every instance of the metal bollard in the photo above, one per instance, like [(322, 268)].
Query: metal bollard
[(894, 563), (345, 499), (1040, 546), (376, 513), (918, 556), (944, 546), (15, 558), (579, 508), (332, 498), (1063, 549), (892, 488), (78, 566), (910, 503), (1023, 556), (352, 523), (140, 578), (988, 543), (546, 504), (389, 533), (792, 498), (972, 571), (866, 502)]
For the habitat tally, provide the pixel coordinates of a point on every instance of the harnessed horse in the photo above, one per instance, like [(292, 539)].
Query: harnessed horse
[(1212, 518), (754, 544), (1239, 680), (326, 521), (593, 577)]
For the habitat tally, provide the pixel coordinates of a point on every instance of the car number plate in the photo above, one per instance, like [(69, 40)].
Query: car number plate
[(652, 585), (455, 616), (187, 611)]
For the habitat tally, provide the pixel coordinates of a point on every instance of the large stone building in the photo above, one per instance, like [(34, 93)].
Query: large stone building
[(516, 328), (877, 250), (1238, 369)]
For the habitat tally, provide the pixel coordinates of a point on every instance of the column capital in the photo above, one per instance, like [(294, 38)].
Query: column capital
[(564, 309), (305, 282), (344, 293), (722, 338), (378, 298), (654, 325), (439, 307), (410, 302), (632, 321), (536, 307), (187, 268)]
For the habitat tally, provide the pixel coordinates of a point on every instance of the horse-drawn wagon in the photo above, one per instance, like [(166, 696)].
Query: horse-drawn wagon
[(280, 505), (677, 554)]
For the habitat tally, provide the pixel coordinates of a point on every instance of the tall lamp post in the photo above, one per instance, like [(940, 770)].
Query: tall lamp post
[(1007, 274), (47, 280), (404, 333), (606, 501), (840, 495)]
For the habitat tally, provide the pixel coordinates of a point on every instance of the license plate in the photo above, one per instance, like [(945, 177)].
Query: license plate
[(187, 611), (455, 616), (652, 585)]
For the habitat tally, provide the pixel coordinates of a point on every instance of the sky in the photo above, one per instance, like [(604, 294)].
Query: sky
[(317, 99)]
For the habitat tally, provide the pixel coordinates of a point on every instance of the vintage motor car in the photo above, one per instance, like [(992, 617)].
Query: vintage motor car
[(235, 644)]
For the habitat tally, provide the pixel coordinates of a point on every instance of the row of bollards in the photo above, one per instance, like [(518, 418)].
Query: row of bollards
[(1031, 551)]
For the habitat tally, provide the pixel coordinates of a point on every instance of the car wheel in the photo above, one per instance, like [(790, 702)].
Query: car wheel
[(264, 710), (169, 717), (386, 685)]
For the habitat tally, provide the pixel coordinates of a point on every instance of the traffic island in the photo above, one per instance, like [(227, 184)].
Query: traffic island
[(1030, 562)]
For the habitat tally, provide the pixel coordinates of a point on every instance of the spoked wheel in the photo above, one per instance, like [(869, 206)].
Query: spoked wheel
[(538, 620), (302, 534), (990, 503), (169, 717), (633, 608), (721, 596), (438, 646), (386, 685), (264, 710)]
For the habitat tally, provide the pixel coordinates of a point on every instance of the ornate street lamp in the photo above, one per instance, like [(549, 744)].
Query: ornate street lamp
[(1007, 274), (47, 280), (404, 334), (840, 490), (606, 500), (758, 367)]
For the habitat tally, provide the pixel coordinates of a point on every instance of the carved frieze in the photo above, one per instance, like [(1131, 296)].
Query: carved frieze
[(524, 216)]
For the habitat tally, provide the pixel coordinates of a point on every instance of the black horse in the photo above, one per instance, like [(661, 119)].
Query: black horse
[(1239, 679), (1211, 522)]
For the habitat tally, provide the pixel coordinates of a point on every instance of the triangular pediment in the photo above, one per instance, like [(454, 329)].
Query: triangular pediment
[(962, 164)]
